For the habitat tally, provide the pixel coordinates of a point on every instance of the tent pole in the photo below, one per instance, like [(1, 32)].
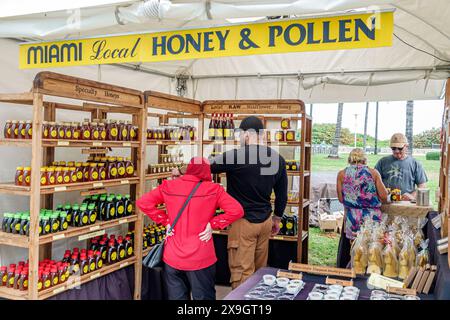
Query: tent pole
[(376, 129)]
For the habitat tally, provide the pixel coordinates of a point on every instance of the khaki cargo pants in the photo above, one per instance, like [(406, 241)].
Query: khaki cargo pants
[(248, 248)]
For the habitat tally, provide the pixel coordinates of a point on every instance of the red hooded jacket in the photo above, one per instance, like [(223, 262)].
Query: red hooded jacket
[(184, 250)]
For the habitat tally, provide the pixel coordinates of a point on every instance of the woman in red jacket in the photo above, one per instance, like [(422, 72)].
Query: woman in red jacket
[(189, 254)]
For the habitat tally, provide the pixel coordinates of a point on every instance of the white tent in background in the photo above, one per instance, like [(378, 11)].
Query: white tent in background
[(415, 67)]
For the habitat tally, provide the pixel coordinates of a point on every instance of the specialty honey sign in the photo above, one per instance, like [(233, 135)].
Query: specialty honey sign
[(352, 31)]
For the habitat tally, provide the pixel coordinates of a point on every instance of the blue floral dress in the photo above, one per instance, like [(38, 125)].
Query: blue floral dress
[(360, 198)]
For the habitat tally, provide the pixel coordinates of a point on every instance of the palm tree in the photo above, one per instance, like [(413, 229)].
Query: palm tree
[(365, 126), (409, 124), (337, 135), (376, 129)]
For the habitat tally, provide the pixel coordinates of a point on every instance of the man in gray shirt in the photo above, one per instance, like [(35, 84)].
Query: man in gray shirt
[(400, 171)]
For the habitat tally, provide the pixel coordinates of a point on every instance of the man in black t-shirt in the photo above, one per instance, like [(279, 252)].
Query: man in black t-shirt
[(252, 172)]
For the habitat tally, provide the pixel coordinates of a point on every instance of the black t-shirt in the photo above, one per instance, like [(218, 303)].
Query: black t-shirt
[(252, 173)]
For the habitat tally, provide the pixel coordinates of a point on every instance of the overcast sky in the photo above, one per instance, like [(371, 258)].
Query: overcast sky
[(392, 116)]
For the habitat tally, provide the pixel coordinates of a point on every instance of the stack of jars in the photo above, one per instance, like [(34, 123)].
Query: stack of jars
[(95, 169), (83, 262), (15, 277), (163, 167), (15, 129), (283, 134), (172, 132), (112, 249), (110, 130), (292, 165), (153, 234)]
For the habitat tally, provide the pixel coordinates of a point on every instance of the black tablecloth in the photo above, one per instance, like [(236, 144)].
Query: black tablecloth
[(119, 285), (442, 284), (310, 281)]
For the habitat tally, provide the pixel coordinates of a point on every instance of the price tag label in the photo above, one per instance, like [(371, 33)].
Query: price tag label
[(59, 290), (98, 185), (94, 228), (126, 144), (59, 236), (96, 275), (74, 285), (123, 264), (124, 181), (58, 189), (63, 143), (218, 142), (158, 142), (122, 221), (97, 144), (91, 235), (278, 237)]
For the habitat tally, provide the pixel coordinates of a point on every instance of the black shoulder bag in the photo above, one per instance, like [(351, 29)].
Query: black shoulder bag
[(155, 257)]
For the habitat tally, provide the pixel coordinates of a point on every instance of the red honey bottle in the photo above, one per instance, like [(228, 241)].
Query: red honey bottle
[(84, 266), (91, 261), (7, 133), (98, 260), (54, 278), (112, 252), (3, 276), (23, 281)]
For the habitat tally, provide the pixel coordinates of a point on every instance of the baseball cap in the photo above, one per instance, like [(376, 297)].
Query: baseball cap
[(398, 140), (252, 123)]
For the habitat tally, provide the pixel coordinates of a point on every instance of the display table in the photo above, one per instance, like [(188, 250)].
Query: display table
[(406, 208), (442, 285), (310, 281)]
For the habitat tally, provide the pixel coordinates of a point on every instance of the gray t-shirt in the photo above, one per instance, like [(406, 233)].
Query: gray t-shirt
[(401, 174)]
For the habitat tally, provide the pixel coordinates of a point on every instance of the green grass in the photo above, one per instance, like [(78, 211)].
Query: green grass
[(323, 245)]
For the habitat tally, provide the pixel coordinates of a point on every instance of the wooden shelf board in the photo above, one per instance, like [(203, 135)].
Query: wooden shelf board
[(19, 98), (107, 269), (10, 188), (13, 294), (17, 240), (71, 143), (171, 142), (156, 176), (289, 173)]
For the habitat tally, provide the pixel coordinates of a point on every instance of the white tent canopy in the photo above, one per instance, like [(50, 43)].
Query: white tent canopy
[(415, 67)]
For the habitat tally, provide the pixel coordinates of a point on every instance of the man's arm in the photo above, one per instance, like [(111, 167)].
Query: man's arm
[(280, 190), (218, 163)]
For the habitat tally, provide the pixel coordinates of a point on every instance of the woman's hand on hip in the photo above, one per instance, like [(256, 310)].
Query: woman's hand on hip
[(206, 235), (171, 233)]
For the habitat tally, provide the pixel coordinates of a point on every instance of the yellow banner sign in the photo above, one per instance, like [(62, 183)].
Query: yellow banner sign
[(316, 34)]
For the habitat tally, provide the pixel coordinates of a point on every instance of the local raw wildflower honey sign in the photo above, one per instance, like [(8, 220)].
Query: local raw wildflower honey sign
[(327, 33)]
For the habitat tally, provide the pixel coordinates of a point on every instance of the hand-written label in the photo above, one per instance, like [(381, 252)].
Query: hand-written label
[(126, 144), (97, 144), (290, 275), (74, 285), (124, 182), (278, 237), (59, 290), (96, 275), (94, 228), (158, 142), (63, 143), (59, 236), (57, 189), (123, 264), (98, 185), (402, 291), (343, 283), (122, 221), (91, 235)]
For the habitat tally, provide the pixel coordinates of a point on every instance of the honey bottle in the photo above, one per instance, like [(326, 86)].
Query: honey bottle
[(101, 171), (102, 131), (110, 208), (45, 224), (131, 131), (21, 130), (61, 127), (46, 280), (124, 131), (23, 281), (75, 129), (23, 224), (112, 133), (93, 172), (91, 261), (74, 264), (79, 172), (7, 129), (63, 223), (103, 249), (84, 264), (120, 206), (128, 205), (98, 260), (85, 131), (28, 129), (75, 215), (86, 169), (59, 175), (121, 252), (18, 180), (40, 284), (61, 274), (112, 253), (14, 129), (54, 278), (73, 174), (51, 177), (15, 224), (84, 217), (128, 246), (26, 176), (45, 130), (95, 133), (66, 175), (44, 181), (101, 207), (121, 167), (6, 222), (54, 222), (92, 213), (68, 211), (129, 167), (111, 172)]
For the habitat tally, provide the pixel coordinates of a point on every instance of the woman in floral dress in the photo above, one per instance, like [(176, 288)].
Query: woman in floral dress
[(361, 191)]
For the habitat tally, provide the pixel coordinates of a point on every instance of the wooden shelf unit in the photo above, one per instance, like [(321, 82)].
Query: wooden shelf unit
[(98, 99), (275, 110)]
